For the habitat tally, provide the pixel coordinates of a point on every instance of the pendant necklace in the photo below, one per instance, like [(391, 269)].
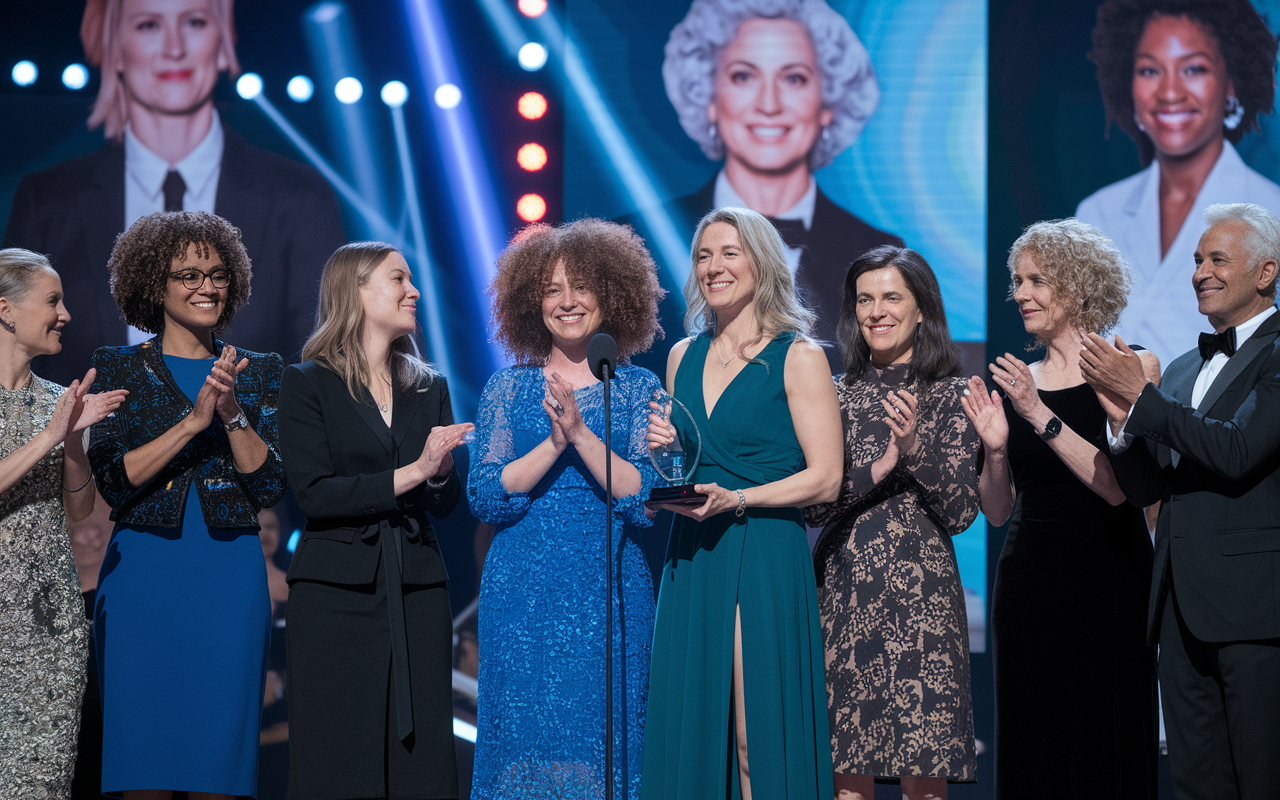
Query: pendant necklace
[(725, 364)]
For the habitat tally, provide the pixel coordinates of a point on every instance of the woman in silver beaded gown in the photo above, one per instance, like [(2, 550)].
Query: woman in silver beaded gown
[(44, 477)]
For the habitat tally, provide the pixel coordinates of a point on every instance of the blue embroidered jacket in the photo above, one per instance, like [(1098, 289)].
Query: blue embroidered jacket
[(228, 498)]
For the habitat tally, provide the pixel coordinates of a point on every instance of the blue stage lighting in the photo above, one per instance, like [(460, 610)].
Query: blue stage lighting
[(75, 76), (532, 57), (348, 90), (448, 95), (300, 88), (249, 85), (24, 73), (394, 93)]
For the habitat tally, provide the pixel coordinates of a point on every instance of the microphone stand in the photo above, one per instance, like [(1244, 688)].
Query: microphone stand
[(608, 588)]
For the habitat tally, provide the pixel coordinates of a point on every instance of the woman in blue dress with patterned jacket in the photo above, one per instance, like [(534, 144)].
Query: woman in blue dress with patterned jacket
[(182, 618), (537, 472)]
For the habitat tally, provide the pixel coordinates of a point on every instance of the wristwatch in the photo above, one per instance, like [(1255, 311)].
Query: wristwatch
[(1051, 428), (237, 422)]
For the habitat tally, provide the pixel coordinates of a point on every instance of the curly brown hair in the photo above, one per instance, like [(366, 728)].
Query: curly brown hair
[(609, 258), (145, 254), (1248, 47), (1086, 272)]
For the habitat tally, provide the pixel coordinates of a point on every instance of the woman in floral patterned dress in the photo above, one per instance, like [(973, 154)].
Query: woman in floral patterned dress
[(44, 477), (893, 618)]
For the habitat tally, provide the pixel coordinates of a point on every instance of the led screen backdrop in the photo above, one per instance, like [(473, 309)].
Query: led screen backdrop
[(911, 86)]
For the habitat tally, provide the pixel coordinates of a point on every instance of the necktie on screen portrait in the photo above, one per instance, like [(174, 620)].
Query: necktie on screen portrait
[(174, 188)]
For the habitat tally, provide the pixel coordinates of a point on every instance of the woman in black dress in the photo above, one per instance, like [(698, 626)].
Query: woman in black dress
[(366, 431), (1075, 679)]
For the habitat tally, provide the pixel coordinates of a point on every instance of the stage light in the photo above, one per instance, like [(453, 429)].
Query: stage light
[(394, 93), (300, 88), (532, 105), (448, 95), (249, 85), (348, 90), (532, 8), (532, 57), (24, 73), (531, 207), (532, 157), (75, 76)]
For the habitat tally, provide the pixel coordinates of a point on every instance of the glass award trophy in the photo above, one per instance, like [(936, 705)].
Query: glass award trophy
[(677, 460)]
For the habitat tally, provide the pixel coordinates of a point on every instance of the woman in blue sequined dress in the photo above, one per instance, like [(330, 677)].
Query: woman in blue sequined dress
[(537, 472)]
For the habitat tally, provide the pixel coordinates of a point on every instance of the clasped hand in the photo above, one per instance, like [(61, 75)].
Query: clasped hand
[(437, 454), (218, 393), (561, 406), (77, 409)]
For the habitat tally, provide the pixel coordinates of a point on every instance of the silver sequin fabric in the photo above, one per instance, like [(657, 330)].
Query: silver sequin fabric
[(44, 636)]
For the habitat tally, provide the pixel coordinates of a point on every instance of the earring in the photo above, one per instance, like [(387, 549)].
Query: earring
[(1235, 113), (712, 132), (1138, 122), (826, 133), (9, 326)]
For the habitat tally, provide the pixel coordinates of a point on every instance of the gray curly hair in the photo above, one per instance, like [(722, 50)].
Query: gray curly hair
[(849, 87)]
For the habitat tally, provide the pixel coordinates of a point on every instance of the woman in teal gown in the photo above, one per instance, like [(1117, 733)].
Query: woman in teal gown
[(737, 698)]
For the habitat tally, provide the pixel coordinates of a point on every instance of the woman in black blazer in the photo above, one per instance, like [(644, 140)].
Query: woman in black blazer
[(366, 432)]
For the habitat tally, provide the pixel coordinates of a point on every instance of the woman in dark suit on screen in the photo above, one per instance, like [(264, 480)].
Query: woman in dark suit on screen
[(366, 431)]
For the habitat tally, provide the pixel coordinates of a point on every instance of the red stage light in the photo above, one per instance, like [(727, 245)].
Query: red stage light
[(531, 207), (532, 157), (532, 105), (532, 8)]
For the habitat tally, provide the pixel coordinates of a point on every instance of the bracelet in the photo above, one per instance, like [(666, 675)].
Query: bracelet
[(437, 482), (742, 504), (80, 487)]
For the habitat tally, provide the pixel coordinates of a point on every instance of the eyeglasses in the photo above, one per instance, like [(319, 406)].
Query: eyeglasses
[(194, 278)]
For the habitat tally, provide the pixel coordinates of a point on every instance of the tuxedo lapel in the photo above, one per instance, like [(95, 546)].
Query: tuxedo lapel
[(1255, 344)]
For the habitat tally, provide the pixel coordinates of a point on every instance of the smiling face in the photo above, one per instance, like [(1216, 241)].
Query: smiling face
[(38, 318), (1230, 288), (887, 315), (197, 310), (389, 299), (1180, 85), (768, 96), (725, 276), (1042, 315), (170, 56), (570, 310)]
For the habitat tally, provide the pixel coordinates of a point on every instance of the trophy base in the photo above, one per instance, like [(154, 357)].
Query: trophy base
[(683, 495)]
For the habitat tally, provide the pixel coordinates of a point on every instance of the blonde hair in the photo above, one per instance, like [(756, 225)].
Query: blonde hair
[(100, 35), (336, 342), (776, 306), (1086, 272)]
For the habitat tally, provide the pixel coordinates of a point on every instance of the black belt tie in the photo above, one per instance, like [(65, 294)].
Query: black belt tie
[(390, 531)]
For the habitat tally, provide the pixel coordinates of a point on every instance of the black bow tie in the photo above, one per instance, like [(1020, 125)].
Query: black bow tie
[(1211, 343), (792, 230)]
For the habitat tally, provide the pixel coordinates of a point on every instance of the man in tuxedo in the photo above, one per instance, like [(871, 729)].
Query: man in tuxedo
[(1206, 446)]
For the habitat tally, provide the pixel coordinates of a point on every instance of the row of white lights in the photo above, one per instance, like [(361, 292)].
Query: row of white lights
[(532, 57)]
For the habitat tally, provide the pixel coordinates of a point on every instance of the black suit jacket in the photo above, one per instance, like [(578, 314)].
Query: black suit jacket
[(340, 458), (288, 220), (1217, 473), (836, 238)]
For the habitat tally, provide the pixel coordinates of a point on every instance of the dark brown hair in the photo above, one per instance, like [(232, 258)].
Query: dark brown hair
[(609, 258), (1248, 46), (933, 354), (143, 258)]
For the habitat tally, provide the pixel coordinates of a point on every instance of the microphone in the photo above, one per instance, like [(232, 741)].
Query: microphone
[(602, 354)]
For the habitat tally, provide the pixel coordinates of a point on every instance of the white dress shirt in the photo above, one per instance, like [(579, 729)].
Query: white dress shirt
[(144, 182), (1204, 379), (726, 195)]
